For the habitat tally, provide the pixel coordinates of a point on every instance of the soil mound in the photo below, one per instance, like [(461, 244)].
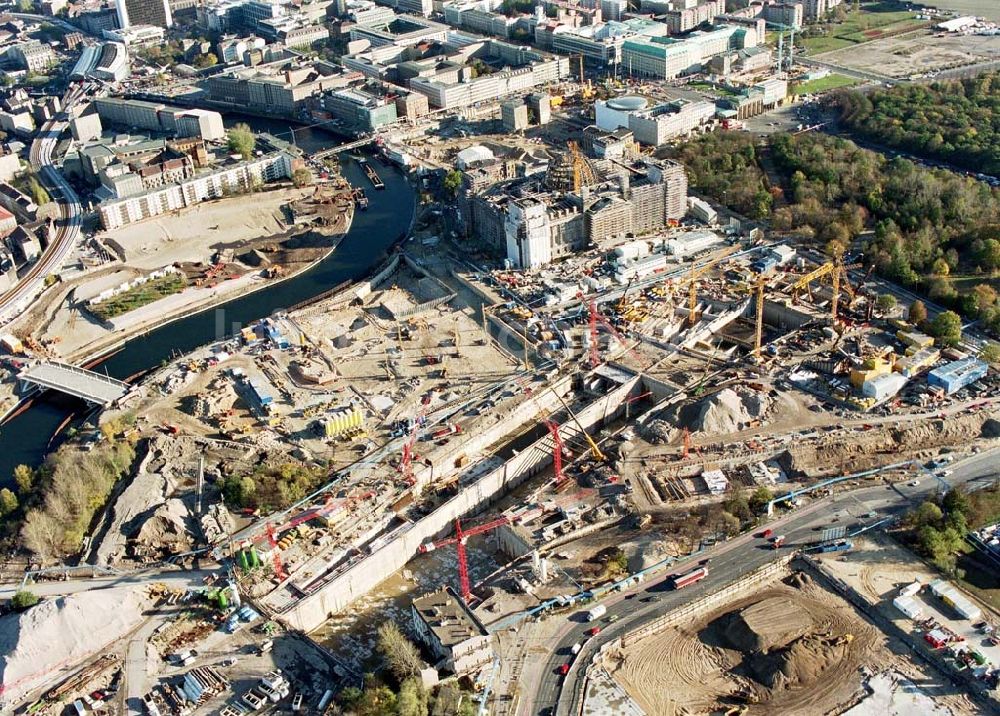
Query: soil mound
[(766, 625), (729, 411), (800, 663)]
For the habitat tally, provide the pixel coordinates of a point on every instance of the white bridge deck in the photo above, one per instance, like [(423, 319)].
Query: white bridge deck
[(79, 382)]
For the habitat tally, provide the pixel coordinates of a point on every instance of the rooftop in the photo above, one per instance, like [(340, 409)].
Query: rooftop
[(449, 619)]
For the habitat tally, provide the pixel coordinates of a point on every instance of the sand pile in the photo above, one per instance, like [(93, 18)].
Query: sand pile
[(166, 529), (769, 623), (63, 631), (800, 663), (729, 411)]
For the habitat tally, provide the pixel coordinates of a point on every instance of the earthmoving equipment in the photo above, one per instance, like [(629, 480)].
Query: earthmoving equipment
[(459, 541)]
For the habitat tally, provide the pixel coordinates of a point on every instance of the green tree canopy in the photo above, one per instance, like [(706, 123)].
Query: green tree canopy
[(24, 599), (241, 140), (947, 328)]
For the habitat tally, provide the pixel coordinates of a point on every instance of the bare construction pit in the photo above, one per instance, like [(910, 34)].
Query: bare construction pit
[(793, 647)]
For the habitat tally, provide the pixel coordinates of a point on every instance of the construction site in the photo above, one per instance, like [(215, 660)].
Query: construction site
[(530, 437), (792, 646)]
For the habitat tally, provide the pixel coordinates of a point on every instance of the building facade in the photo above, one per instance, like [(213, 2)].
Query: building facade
[(214, 185), (144, 12)]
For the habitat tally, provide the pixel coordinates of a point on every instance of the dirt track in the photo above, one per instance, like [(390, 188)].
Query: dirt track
[(694, 669)]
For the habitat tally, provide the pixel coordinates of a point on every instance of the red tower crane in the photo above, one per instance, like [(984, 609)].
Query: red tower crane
[(279, 568), (459, 541), (596, 316), (406, 462), (557, 451)]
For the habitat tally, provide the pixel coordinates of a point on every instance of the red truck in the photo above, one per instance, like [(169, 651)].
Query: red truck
[(679, 581)]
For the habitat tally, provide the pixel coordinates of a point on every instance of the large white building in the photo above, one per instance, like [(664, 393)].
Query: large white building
[(666, 58), (214, 185), (529, 236), (653, 125)]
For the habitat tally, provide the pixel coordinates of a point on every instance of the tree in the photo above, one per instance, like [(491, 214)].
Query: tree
[(759, 499), (8, 502), (302, 177), (885, 303), (990, 353), (940, 268), (241, 140), (24, 476), (956, 500), (399, 653), (729, 523), (23, 599), (927, 514), (413, 699), (205, 61), (25, 6), (738, 505), (453, 182), (947, 328), (918, 312)]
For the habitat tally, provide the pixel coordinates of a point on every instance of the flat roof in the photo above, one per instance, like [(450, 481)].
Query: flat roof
[(449, 619)]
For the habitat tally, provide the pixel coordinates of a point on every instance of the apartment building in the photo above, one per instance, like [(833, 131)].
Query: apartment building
[(241, 176)]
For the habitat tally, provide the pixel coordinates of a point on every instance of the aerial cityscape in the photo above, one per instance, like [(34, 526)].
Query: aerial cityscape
[(499, 357)]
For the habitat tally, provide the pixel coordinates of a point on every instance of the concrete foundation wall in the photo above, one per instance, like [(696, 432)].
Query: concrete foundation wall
[(784, 317), (310, 612)]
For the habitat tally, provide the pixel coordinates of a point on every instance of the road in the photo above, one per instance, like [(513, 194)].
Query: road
[(174, 579), (67, 227), (544, 690)]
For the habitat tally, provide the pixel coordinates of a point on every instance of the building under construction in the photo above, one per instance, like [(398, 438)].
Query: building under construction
[(578, 202)]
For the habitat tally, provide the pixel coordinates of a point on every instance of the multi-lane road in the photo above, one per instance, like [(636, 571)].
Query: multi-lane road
[(545, 691), (68, 225)]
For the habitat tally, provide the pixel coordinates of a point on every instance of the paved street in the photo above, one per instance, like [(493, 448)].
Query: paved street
[(543, 687)]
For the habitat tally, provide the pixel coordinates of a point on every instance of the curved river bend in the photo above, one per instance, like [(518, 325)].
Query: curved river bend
[(373, 232)]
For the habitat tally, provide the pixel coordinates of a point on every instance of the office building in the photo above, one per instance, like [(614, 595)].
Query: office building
[(666, 58), (280, 88), (653, 125), (157, 117), (33, 55), (144, 12), (360, 109)]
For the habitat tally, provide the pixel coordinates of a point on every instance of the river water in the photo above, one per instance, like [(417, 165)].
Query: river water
[(25, 438)]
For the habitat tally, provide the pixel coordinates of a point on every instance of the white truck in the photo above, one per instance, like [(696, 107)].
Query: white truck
[(597, 612)]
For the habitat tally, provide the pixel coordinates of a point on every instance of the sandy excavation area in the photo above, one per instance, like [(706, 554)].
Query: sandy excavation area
[(191, 235), (791, 648)]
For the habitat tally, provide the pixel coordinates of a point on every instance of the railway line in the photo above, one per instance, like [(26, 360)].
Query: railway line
[(67, 232)]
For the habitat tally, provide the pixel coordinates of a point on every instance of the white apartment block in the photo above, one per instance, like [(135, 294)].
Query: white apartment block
[(240, 177), (491, 87)]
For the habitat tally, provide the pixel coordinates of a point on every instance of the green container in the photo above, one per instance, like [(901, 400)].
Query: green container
[(241, 557)]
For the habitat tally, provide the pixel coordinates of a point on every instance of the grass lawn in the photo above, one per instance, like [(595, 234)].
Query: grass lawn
[(824, 84), (139, 296), (869, 25)]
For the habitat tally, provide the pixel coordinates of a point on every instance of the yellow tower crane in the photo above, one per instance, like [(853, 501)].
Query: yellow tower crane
[(583, 172), (693, 277), (837, 272)]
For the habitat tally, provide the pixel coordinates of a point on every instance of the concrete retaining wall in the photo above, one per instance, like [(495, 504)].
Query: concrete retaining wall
[(310, 612), (731, 591)]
